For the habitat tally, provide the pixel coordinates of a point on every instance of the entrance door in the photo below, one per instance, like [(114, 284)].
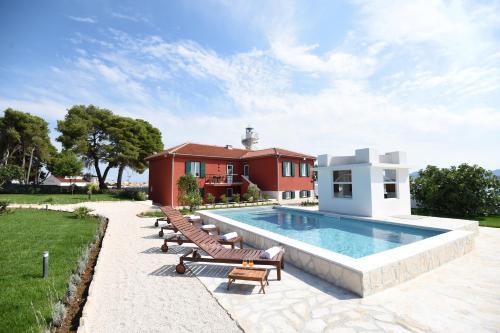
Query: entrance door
[(230, 169)]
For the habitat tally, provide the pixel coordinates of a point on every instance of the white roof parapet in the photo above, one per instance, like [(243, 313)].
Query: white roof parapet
[(365, 156)]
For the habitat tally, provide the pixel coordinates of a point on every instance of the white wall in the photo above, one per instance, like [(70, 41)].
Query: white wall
[(391, 206), (359, 204)]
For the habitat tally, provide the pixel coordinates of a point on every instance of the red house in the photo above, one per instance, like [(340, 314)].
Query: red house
[(282, 174)]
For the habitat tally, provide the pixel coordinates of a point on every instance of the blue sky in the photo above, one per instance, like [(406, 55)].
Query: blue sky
[(312, 76)]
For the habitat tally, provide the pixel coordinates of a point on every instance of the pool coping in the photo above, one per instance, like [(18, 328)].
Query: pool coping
[(368, 274)]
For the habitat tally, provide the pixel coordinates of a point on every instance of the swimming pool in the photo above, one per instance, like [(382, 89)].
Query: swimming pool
[(363, 255), (351, 237)]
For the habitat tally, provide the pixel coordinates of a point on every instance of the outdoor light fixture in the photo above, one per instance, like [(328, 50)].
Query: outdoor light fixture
[(45, 263)]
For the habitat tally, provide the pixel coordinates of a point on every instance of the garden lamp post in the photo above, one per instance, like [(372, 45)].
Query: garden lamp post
[(45, 262)]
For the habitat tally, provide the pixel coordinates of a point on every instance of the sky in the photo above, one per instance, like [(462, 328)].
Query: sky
[(311, 76)]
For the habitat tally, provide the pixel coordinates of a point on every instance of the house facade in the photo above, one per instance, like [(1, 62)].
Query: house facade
[(365, 184), (284, 175)]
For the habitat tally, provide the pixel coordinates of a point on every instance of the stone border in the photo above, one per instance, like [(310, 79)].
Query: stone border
[(370, 274)]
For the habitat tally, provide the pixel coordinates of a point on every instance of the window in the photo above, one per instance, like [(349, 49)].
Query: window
[(342, 184), (288, 169), (305, 170), (246, 170), (286, 195), (305, 194), (390, 183), (195, 168)]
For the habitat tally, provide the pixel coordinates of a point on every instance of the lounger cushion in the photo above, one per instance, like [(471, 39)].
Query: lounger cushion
[(270, 253), (208, 226), (230, 235)]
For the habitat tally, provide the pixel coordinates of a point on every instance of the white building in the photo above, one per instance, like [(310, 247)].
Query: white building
[(366, 184), (68, 181)]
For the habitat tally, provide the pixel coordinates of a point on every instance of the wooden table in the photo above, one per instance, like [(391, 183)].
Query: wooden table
[(249, 274)]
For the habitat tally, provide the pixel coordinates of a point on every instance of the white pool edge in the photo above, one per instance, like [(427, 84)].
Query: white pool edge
[(370, 274)]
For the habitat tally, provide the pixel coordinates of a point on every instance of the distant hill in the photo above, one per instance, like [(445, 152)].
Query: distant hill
[(414, 174), (496, 172)]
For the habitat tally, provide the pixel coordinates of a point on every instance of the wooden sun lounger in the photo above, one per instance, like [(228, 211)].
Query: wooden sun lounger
[(181, 239), (216, 252)]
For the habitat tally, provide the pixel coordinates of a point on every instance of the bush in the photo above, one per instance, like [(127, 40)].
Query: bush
[(224, 199), (308, 203), (265, 196), (152, 213), (254, 192), (236, 197), (82, 212), (132, 195), (58, 313), (246, 196), (210, 198), (92, 188), (49, 200), (463, 191), (4, 206)]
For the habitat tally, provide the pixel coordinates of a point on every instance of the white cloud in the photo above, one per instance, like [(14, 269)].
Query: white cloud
[(397, 81), (133, 18), (83, 19)]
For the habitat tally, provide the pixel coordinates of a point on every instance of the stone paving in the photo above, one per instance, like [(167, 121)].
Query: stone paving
[(461, 296)]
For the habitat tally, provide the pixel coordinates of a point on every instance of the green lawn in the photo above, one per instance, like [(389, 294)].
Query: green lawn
[(489, 221), (56, 198), (484, 221), (25, 234)]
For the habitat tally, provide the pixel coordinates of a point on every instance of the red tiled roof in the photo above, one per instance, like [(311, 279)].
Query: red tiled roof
[(194, 149)]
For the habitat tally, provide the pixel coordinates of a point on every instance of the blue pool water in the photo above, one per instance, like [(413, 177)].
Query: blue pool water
[(351, 237)]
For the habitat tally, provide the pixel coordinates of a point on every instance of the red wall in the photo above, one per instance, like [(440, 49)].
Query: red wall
[(159, 181), (264, 172), (213, 166), (296, 182)]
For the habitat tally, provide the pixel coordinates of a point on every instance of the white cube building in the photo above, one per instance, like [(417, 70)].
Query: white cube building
[(366, 184)]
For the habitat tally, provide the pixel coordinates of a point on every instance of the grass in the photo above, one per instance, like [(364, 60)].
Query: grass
[(151, 213), (484, 221), (57, 198), (26, 299), (489, 221)]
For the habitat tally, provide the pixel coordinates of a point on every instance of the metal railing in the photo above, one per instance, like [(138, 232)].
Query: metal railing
[(222, 179)]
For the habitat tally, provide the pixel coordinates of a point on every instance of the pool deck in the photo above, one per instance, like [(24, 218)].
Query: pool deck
[(370, 274), (460, 296)]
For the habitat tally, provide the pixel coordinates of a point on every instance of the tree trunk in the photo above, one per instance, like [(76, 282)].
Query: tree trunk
[(119, 178), (106, 174), (102, 183), (29, 166)]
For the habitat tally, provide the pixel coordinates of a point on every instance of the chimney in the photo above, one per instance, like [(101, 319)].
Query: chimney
[(229, 147)]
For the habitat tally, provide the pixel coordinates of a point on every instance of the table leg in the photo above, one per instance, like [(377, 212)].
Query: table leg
[(262, 286), (229, 283)]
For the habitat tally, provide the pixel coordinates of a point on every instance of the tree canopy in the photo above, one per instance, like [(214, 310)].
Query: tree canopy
[(457, 191), (102, 138), (65, 163), (25, 142)]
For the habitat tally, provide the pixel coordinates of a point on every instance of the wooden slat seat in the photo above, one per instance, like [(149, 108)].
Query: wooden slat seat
[(213, 247)]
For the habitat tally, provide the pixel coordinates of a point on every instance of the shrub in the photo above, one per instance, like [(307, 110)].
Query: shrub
[(49, 200), (224, 199), (4, 206), (236, 197), (210, 198), (92, 188), (254, 192), (58, 313), (151, 213), (246, 196), (140, 196), (463, 191), (82, 212), (132, 195), (265, 196)]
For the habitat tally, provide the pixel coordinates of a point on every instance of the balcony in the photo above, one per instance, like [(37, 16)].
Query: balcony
[(222, 179)]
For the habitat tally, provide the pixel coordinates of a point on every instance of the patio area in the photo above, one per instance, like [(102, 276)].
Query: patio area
[(136, 288)]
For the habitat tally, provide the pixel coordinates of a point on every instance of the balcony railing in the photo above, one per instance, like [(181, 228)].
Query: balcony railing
[(222, 179)]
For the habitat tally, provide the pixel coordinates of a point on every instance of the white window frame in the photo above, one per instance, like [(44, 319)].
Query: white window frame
[(195, 168), (288, 195), (342, 183), (303, 169), (288, 169), (390, 182), (246, 170), (303, 194)]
